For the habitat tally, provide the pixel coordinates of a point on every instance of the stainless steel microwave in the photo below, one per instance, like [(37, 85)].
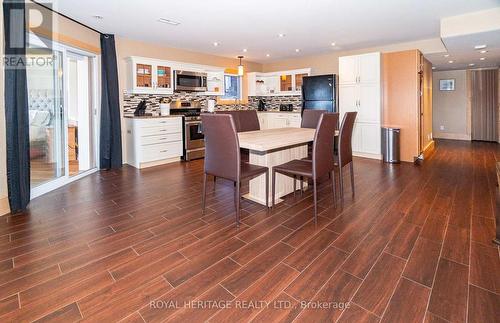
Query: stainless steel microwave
[(190, 81)]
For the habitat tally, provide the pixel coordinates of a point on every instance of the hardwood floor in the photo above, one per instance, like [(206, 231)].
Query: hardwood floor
[(414, 244)]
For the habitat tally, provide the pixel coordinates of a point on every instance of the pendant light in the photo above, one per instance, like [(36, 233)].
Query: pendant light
[(240, 67)]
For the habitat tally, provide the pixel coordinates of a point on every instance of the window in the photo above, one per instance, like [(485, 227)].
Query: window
[(232, 87)]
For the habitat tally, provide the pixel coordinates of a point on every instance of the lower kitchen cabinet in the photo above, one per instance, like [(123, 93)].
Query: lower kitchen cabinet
[(272, 120), (153, 141)]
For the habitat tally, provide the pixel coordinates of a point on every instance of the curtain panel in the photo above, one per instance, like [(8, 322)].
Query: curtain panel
[(16, 107), (110, 135), (484, 104)]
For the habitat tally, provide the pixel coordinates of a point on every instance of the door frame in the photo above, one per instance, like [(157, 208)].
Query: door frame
[(94, 60)]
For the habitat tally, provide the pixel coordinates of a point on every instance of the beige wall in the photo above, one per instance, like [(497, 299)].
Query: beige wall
[(4, 205), (450, 107), (128, 47), (329, 63)]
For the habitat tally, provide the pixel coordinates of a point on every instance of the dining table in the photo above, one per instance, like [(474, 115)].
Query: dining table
[(271, 147)]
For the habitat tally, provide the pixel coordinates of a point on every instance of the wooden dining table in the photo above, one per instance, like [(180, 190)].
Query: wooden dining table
[(271, 147)]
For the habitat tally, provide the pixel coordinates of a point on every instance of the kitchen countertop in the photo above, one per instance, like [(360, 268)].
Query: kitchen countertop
[(152, 117)]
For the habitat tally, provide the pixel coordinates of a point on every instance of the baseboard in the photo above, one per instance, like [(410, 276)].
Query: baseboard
[(429, 149), (452, 136), (4, 206), (366, 155)]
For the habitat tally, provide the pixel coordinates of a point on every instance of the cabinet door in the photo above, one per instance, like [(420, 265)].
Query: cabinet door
[(356, 138), (370, 138), (348, 69), (369, 68), (143, 74), (348, 99), (286, 83), (252, 85), (215, 83), (263, 121), (294, 120), (277, 121), (163, 82), (299, 78), (369, 103)]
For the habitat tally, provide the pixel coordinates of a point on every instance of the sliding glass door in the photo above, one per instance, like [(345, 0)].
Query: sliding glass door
[(62, 115)]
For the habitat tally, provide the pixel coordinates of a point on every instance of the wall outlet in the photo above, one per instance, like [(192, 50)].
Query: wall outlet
[(441, 127)]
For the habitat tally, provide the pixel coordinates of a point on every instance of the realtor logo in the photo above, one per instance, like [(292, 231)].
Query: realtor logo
[(28, 33)]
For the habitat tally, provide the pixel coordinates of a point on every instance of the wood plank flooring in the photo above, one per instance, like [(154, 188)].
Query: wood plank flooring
[(413, 245)]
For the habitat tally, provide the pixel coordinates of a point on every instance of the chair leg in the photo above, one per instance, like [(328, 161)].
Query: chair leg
[(273, 187), (294, 185), (237, 204), (341, 182), (215, 180), (204, 194), (352, 177), (301, 185), (267, 188), (315, 193), (332, 176)]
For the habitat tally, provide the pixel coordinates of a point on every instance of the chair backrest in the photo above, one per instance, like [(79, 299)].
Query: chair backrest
[(249, 121), (222, 148), (345, 138), (310, 118), (236, 118), (323, 161)]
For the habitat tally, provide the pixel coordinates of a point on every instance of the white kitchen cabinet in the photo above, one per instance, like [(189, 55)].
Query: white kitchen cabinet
[(360, 91), (153, 141), (276, 83), (273, 120), (148, 76), (215, 83)]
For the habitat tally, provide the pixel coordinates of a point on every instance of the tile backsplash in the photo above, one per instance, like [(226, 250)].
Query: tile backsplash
[(153, 102)]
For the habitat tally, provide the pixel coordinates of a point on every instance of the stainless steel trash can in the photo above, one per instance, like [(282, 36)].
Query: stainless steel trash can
[(390, 144)]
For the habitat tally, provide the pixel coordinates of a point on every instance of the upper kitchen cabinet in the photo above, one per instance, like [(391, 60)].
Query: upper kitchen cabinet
[(276, 83), (215, 83), (360, 91), (154, 76), (149, 76)]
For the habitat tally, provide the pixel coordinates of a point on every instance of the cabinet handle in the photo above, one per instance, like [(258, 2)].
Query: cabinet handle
[(163, 151), (162, 130)]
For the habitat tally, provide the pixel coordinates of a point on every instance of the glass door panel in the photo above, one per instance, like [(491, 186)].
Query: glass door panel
[(144, 76), (80, 132), (46, 116), (163, 76)]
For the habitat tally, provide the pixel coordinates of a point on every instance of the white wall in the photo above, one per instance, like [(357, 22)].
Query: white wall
[(450, 107)]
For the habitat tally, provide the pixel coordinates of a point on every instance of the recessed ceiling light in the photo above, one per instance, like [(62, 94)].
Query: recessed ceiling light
[(450, 62), (245, 50), (333, 44), (482, 58), (297, 50), (216, 44), (472, 64), (479, 46), (483, 51), (168, 21), (98, 17), (268, 55), (434, 67), (446, 55), (281, 35)]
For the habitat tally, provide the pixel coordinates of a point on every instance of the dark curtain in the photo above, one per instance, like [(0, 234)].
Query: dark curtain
[(110, 138), (16, 107), (484, 104)]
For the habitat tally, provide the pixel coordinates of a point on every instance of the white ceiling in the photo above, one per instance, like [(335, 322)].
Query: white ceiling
[(310, 26)]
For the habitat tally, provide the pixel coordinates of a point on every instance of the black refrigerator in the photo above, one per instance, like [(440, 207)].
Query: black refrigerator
[(320, 93)]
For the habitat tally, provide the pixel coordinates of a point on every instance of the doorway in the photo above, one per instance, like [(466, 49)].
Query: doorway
[(62, 103), (484, 104)]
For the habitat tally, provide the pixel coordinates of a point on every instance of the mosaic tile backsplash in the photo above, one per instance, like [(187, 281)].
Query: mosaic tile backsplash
[(153, 102)]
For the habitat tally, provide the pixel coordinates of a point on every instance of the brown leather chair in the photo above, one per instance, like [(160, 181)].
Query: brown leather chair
[(310, 118), (344, 156), (249, 121), (236, 118), (222, 156), (322, 161)]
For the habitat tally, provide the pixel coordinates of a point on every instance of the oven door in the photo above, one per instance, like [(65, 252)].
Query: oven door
[(190, 81), (194, 135)]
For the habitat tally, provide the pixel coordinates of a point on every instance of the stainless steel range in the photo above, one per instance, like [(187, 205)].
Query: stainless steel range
[(194, 140)]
